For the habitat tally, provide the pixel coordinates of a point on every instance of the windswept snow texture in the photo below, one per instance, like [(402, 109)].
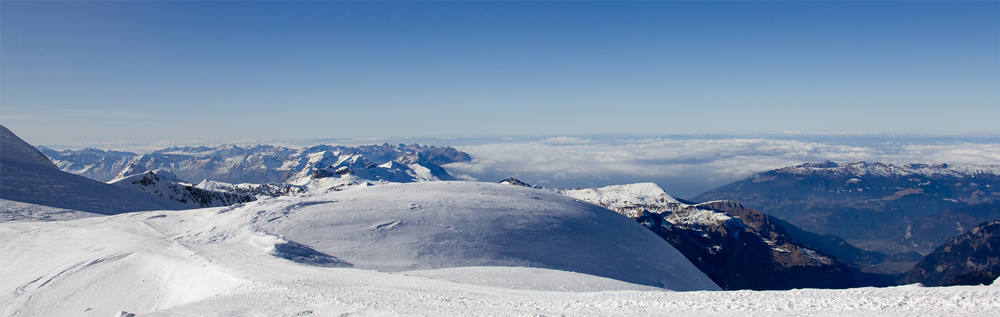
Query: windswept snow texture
[(25, 178), (142, 262)]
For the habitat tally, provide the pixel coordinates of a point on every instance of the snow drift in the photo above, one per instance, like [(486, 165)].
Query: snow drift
[(401, 227)]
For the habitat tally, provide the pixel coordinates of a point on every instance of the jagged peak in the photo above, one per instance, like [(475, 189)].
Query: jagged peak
[(131, 169), (409, 158), (353, 160), (514, 181), (150, 176)]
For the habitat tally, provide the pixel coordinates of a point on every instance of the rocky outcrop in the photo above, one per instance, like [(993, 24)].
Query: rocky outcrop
[(969, 259), (166, 185)]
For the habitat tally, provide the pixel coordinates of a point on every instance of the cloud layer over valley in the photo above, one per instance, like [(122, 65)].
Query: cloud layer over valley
[(686, 167)]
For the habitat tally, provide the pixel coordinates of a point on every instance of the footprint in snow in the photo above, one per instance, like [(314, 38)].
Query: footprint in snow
[(387, 225)]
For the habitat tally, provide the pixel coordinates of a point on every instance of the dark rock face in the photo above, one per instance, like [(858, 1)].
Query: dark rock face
[(759, 255), (517, 182), (877, 207), (970, 259)]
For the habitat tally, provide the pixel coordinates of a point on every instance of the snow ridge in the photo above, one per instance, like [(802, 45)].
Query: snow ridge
[(165, 184), (880, 169)]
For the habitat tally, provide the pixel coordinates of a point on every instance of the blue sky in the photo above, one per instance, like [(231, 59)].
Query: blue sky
[(73, 72)]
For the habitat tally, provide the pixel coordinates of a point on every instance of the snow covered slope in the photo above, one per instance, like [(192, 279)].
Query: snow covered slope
[(142, 262), (401, 227), (312, 254), (25, 178), (16, 150)]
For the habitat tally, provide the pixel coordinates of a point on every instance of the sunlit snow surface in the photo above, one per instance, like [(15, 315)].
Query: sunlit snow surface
[(436, 248)]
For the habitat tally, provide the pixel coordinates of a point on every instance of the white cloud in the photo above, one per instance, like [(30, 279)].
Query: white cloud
[(689, 167), (466, 178), (566, 140)]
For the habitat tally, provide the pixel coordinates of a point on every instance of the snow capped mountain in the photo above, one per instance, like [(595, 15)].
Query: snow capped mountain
[(25, 178), (165, 184), (257, 190), (320, 167), (638, 200), (884, 170), (736, 247)]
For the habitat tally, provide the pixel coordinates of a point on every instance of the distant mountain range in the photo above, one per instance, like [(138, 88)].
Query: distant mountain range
[(898, 213), (262, 164), (232, 174), (214, 176)]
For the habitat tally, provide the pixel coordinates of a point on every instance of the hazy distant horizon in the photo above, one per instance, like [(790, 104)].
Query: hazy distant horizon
[(684, 165)]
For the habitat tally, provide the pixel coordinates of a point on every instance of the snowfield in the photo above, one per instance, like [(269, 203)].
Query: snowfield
[(431, 248)]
